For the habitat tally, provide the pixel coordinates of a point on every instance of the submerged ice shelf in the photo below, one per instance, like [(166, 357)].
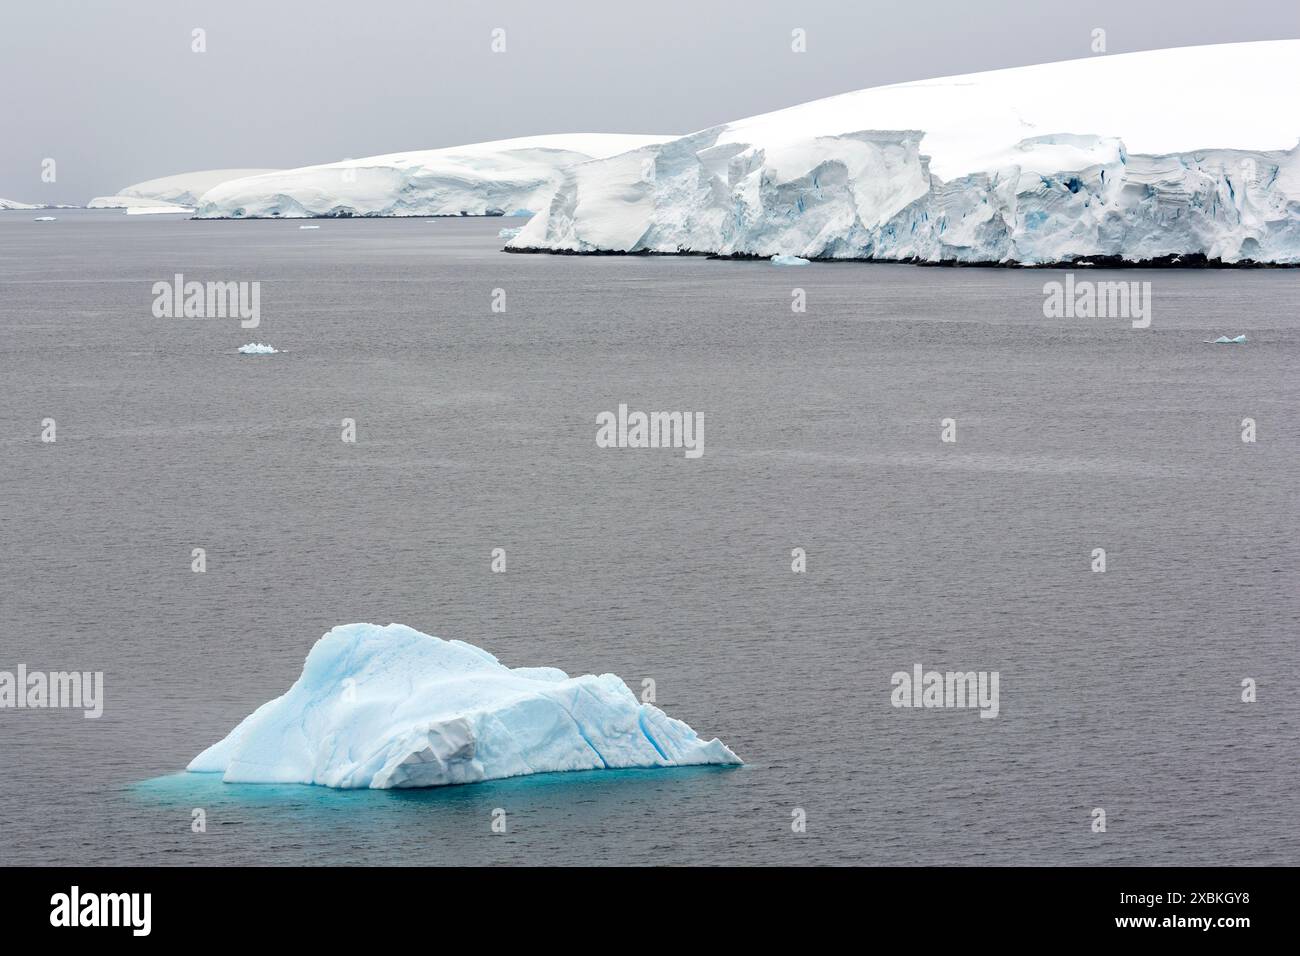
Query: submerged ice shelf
[(390, 706), (1187, 152)]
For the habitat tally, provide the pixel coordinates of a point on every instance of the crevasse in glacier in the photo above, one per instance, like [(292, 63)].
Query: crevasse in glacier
[(391, 707), (1189, 151)]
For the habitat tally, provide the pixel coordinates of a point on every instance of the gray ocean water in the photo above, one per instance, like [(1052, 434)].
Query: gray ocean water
[(476, 430)]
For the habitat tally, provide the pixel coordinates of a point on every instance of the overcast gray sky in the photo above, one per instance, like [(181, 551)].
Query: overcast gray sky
[(111, 90)]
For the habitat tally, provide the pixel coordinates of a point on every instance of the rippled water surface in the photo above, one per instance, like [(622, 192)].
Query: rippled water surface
[(476, 430)]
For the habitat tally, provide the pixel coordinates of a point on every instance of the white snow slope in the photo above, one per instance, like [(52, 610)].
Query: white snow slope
[(15, 204), (391, 707), (1138, 156), (502, 177), (183, 189)]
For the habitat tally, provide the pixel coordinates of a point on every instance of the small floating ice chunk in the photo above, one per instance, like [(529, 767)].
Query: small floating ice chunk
[(1224, 340), (789, 261), (384, 707), (45, 219), (509, 233), (257, 348), (309, 227)]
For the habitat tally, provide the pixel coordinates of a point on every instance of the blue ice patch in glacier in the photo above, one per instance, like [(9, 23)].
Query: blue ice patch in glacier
[(389, 706)]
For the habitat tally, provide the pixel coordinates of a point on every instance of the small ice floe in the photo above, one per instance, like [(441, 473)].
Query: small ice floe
[(45, 219), (509, 233), (789, 261), (1224, 340), (257, 348), (309, 227)]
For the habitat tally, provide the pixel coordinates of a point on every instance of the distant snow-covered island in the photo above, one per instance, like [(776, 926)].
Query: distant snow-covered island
[(13, 204), (1180, 157), (170, 194), (504, 177)]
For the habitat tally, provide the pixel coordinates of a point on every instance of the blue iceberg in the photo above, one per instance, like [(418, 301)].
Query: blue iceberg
[(789, 261), (389, 706), (1224, 340)]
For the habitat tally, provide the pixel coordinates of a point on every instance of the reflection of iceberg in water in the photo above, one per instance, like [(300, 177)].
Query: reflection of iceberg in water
[(391, 707)]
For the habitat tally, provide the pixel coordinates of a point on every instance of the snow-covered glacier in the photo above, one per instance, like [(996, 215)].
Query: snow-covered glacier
[(498, 178), (390, 706), (1184, 152)]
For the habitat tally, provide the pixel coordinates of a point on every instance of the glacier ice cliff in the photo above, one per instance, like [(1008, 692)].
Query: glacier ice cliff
[(389, 706), (1143, 156), (503, 177)]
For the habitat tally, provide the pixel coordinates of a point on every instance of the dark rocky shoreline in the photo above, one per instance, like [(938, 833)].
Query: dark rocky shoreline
[(1195, 260)]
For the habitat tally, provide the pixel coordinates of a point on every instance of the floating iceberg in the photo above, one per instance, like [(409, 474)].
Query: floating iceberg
[(257, 348), (15, 204), (45, 219), (479, 179), (391, 707), (1224, 340), (309, 227), (789, 261), (1141, 156), (508, 233)]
